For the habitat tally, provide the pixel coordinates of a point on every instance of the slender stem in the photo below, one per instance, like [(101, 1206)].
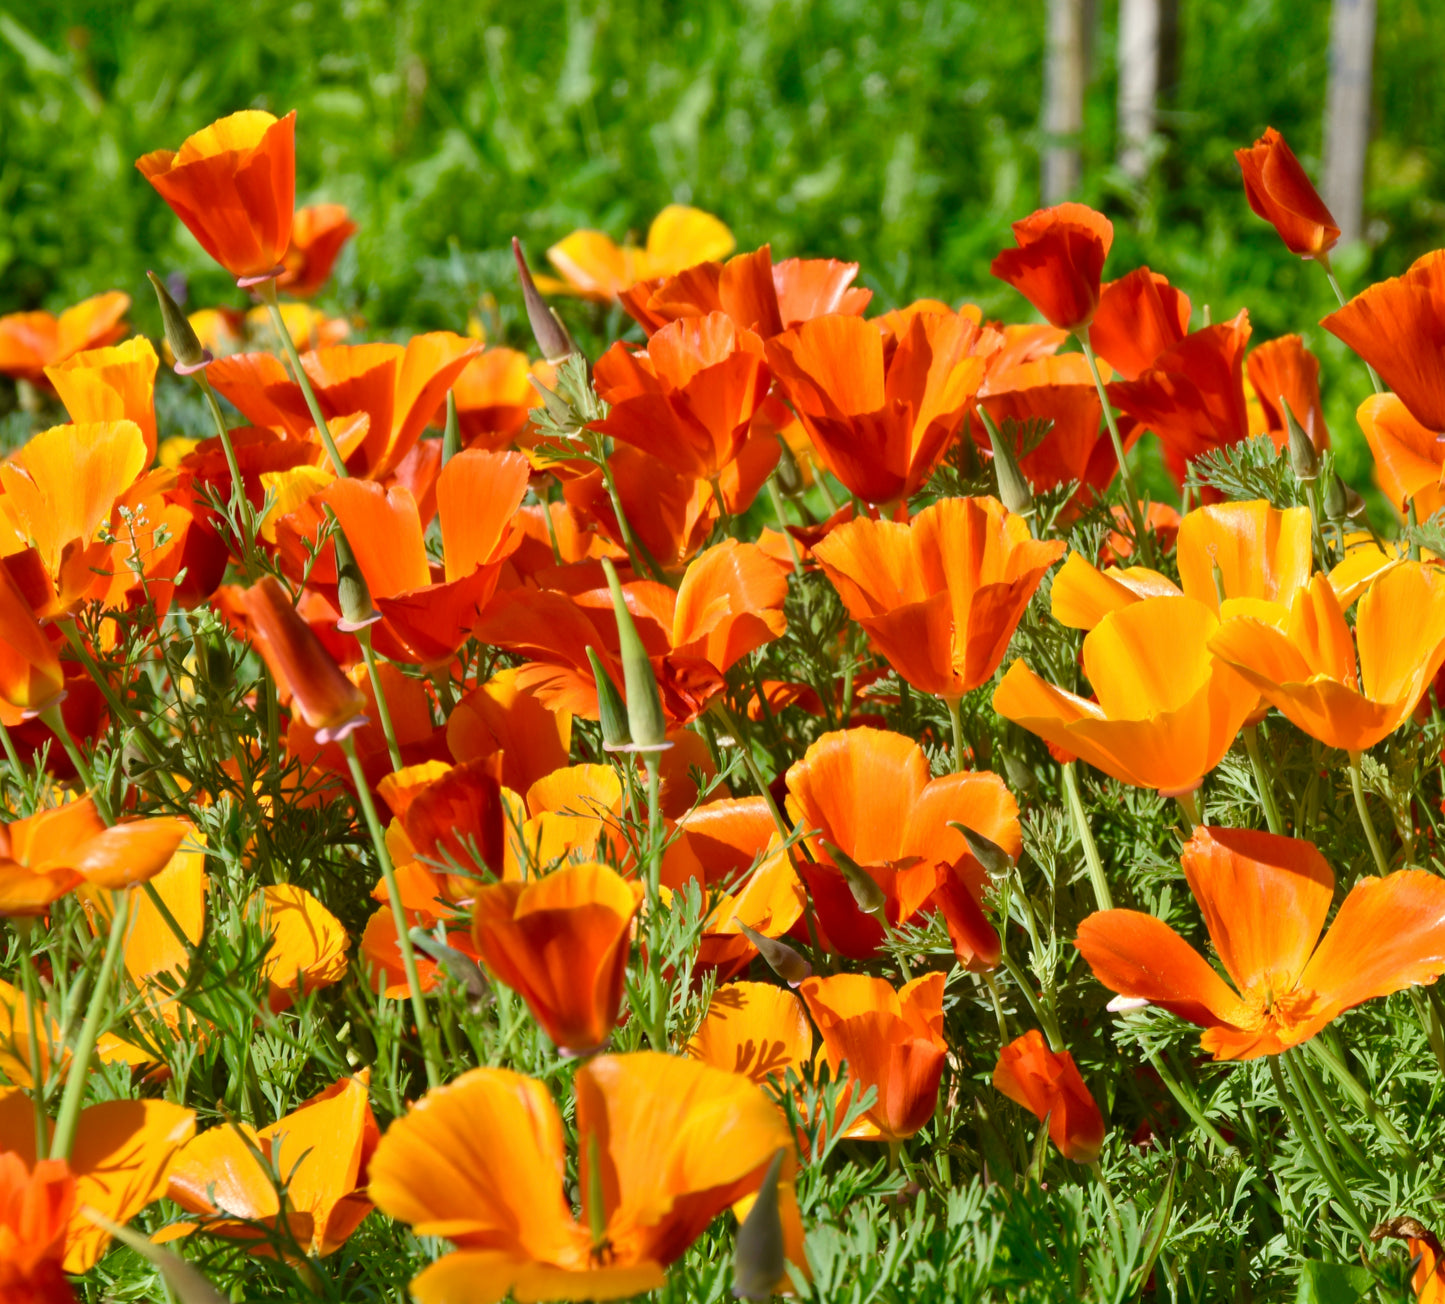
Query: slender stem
[(30, 985), (1340, 295), (169, 919), (96, 1014), (55, 721), (751, 766), (1357, 786), (240, 504), (383, 711), (1188, 1102), (1189, 808), (775, 496), (1261, 779), (267, 292), (1312, 497), (1126, 481), (1102, 896), (955, 715), (1327, 1055), (653, 764), (996, 996), (393, 897), (10, 753), (1307, 1082), (1098, 1172)]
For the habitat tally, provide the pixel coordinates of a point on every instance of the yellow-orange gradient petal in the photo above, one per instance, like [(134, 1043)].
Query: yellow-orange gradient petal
[(755, 1029)]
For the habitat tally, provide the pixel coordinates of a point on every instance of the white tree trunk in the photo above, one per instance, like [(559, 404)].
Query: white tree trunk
[(1064, 76), (1139, 29), (1347, 114)]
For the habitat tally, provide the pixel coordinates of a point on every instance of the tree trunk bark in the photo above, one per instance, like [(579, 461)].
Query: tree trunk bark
[(1064, 77), (1139, 30), (1347, 113)]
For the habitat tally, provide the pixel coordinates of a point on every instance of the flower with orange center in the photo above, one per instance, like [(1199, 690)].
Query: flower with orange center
[(1279, 191), (320, 1151), (891, 1041), (1058, 262), (111, 384), (561, 942), (1264, 900), (327, 700), (881, 409), (32, 341), (1048, 1085), (869, 794), (941, 596), (594, 267), (317, 234), (689, 397), (754, 1029), (1302, 659), (233, 184), (1139, 316), (1284, 371), (117, 1166), (664, 1144), (1167, 707), (1409, 459)]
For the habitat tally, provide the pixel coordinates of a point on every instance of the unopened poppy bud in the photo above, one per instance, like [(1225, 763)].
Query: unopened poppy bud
[(457, 963), (646, 724), (1014, 490), (870, 898), (353, 594), (788, 473), (180, 334), (985, 850), (557, 407), (780, 957), (1303, 460), (611, 709), (213, 665), (552, 337), (452, 435), (1335, 506), (759, 1258), (1020, 775)]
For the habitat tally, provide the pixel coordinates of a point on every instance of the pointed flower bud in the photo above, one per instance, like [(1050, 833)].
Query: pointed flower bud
[(452, 435), (870, 898), (780, 957), (611, 709), (552, 337), (460, 965), (180, 335), (1334, 503), (759, 1257), (986, 851), (1304, 461), (1013, 488), (353, 594), (645, 722)]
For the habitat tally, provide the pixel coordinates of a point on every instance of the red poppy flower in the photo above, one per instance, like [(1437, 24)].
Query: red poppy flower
[(1140, 316), (1284, 370), (1058, 262), (1409, 459), (1048, 1085), (1279, 191), (317, 235)]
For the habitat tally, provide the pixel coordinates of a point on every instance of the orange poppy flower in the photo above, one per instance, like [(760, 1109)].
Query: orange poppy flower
[(1284, 369), (1428, 1280), (32, 341), (869, 794), (1302, 660), (561, 942), (769, 900), (1261, 551), (1279, 191), (327, 700), (35, 1209), (31, 677), (1139, 316), (689, 397), (1398, 327), (1192, 396), (111, 384), (881, 410), (573, 813), (891, 1041), (664, 1145), (308, 944), (46, 855), (596, 268), (1409, 459), (233, 185), (494, 395), (320, 1151), (317, 234), (1057, 264), (117, 1166), (1264, 900), (1168, 708), (398, 388), (500, 717), (941, 596), (1048, 1085), (754, 1029), (758, 294)]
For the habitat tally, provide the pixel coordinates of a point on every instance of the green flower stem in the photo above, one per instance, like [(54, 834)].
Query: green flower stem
[(955, 715), (996, 997), (1308, 1085), (652, 762), (97, 1013), (55, 722), (1261, 779), (1322, 1049), (1340, 295), (10, 753), (267, 294), (775, 496), (239, 502), (383, 711), (1429, 1016), (1086, 837), (734, 727), (1097, 1169), (1312, 497), (1188, 1102), (1357, 786), (393, 897), (1126, 481), (1189, 808), (30, 985), (1042, 1014)]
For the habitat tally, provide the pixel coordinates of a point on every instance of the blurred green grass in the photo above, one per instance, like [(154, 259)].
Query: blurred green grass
[(901, 133)]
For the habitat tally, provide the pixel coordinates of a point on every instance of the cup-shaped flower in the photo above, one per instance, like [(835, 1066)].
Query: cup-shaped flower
[(1264, 899), (317, 235), (111, 384), (1048, 1085), (881, 409), (595, 267), (1302, 659), (1283, 371), (941, 596), (233, 184), (755, 1029), (1279, 190), (32, 341), (1058, 262), (561, 942), (320, 1151), (1167, 707), (1140, 315), (1409, 459), (891, 1041), (1261, 551), (665, 1144)]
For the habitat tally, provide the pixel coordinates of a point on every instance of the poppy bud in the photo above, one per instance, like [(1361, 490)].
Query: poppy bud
[(611, 709), (759, 1258), (1334, 501), (1279, 191), (213, 666), (552, 337), (646, 723), (1303, 460), (1048, 1084), (457, 963), (780, 957), (353, 594), (452, 435), (788, 473), (1014, 490), (870, 898), (986, 851), (180, 334)]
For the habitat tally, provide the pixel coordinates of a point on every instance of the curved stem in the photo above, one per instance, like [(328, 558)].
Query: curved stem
[(1261, 779), (1102, 895), (267, 292), (1357, 786), (30, 985), (1126, 481)]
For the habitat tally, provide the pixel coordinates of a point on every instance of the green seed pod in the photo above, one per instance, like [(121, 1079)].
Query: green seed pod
[(551, 336), (353, 594), (780, 957), (180, 335), (1014, 490), (759, 1261), (645, 722), (1303, 460), (611, 709)]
